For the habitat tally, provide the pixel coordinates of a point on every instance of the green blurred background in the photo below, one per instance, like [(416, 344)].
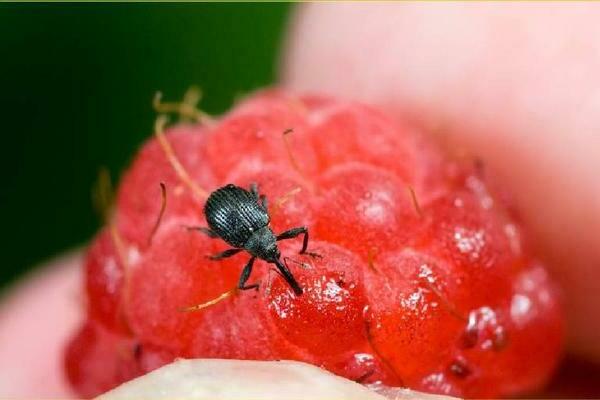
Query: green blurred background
[(76, 83)]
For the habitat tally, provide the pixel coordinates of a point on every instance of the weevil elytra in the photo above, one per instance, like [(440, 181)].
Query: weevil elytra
[(240, 217)]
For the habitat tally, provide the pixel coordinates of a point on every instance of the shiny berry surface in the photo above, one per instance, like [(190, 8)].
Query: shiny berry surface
[(419, 273)]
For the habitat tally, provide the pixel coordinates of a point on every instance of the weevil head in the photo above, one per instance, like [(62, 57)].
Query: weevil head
[(263, 244)]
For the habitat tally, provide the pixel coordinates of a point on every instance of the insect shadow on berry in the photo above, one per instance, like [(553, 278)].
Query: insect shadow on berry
[(240, 218)]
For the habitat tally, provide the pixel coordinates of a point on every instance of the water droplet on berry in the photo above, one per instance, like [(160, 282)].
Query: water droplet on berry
[(469, 241), (484, 330), (438, 383), (363, 358), (282, 305), (332, 292), (414, 302), (520, 308), (365, 311), (426, 273)]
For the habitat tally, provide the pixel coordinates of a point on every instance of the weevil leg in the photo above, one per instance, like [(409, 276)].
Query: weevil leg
[(207, 231), (245, 275), (224, 254), (292, 233)]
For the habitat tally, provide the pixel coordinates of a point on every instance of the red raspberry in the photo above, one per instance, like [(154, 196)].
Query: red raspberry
[(422, 278)]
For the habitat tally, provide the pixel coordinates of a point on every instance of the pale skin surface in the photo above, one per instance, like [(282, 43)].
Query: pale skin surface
[(516, 84)]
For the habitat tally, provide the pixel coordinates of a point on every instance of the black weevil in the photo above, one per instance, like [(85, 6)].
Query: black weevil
[(240, 217)]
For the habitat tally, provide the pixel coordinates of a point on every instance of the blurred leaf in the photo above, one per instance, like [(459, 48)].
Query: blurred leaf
[(76, 89)]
